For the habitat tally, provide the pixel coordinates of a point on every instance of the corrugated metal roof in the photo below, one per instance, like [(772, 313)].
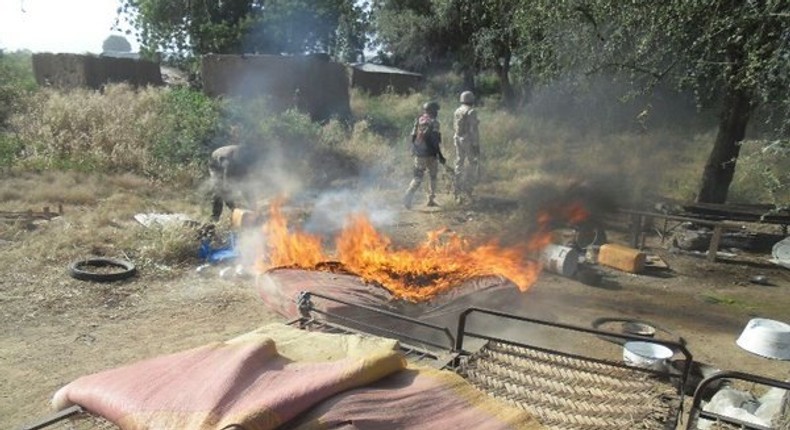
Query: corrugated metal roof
[(377, 68)]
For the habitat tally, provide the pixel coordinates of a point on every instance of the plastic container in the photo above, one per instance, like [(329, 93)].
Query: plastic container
[(560, 259), (622, 258), (243, 218), (766, 338), (646, 355)]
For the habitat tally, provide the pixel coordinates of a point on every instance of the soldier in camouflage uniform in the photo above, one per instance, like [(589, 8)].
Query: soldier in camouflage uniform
[(426, 139), (467, 147), (228, 167)]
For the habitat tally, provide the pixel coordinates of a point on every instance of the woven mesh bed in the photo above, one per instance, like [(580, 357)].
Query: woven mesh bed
[(571, 393)]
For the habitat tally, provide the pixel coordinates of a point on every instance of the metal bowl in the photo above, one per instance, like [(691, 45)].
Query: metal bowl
[(766, 338), (638, 328), (647, 355)]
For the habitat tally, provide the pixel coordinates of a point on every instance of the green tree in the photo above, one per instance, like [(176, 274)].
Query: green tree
[(465, 35), (734, 55), (16, 82), (185, 27)]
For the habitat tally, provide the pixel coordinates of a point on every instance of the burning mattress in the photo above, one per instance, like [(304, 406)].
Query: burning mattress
[(280, 289), (280, 376)]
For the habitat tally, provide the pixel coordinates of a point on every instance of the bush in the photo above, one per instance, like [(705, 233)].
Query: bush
[(16, 82), (191, 122), (388, 115), (161, 133), (763, 173)]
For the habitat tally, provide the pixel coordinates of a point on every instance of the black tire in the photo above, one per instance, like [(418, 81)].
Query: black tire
[(81, 269)]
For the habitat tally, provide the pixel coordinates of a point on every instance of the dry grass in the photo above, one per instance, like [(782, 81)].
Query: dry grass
[(98, 219), (634, 166), (124, 130), (108, 127)]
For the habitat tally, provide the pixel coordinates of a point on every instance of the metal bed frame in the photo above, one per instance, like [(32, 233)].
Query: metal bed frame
[(721, 421), (564, 390)]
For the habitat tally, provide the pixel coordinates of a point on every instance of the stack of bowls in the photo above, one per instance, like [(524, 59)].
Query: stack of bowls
[(766, 338)]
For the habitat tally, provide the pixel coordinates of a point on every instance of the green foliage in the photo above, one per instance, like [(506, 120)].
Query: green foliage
[(732, 55), (388, 115), (763, 173), (10, 149), (191, 122), (16, 83), (186, 28), (290, 129)]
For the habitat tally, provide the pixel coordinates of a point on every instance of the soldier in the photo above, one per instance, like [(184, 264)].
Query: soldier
[(227, 168), (426, 139), (467, 147)]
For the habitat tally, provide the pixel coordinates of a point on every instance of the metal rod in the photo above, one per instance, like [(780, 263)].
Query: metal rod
[(444, 330), (62, 415), (381, 329)]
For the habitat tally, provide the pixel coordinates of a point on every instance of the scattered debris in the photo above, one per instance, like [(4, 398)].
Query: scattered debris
[(703, 254), (781, 253), (203, 269), (691, 237), (217, 255), (155, 219), (30, 216), (656, 262), (735, 404), (760, 280)]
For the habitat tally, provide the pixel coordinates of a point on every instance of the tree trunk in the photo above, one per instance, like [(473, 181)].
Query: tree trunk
[(503, 72), (720, 167), (469, 79)]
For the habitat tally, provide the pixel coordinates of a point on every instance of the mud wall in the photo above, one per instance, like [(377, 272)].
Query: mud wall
[(74, 71), (313, 84), (377, 83)]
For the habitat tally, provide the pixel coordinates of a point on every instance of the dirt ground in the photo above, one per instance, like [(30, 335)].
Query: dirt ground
[(56, 328)]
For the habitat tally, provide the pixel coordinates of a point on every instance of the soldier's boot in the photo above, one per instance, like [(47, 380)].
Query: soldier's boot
[(408, 199), (216, 208)]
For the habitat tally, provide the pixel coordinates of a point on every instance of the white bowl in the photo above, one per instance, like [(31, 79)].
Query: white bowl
[(646, 355), (766, 338)]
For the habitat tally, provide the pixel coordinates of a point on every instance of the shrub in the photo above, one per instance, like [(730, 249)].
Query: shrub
[(161, 133), (763, 173), (16, 82), (191, 122), (388, 115)]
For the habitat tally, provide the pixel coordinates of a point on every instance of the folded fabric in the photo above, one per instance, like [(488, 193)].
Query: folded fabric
[(243, 382), (414, 399)]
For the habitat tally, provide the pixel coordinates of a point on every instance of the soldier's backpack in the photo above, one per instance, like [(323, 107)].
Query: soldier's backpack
[(426, 140)]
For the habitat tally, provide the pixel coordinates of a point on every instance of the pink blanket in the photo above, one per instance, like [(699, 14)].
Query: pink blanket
[(414, 399), (237, 383)]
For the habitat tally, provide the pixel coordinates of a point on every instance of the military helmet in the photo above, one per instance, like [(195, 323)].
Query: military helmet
[(467, 97), (431, 107)]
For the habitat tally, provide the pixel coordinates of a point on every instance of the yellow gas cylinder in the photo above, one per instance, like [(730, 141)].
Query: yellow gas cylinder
[(622, 257), (243, 218)]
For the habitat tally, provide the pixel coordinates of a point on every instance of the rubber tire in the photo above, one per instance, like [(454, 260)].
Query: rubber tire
[(77, 271)]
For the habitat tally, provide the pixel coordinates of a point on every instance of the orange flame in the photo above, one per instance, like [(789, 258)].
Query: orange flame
[(443, 261)]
